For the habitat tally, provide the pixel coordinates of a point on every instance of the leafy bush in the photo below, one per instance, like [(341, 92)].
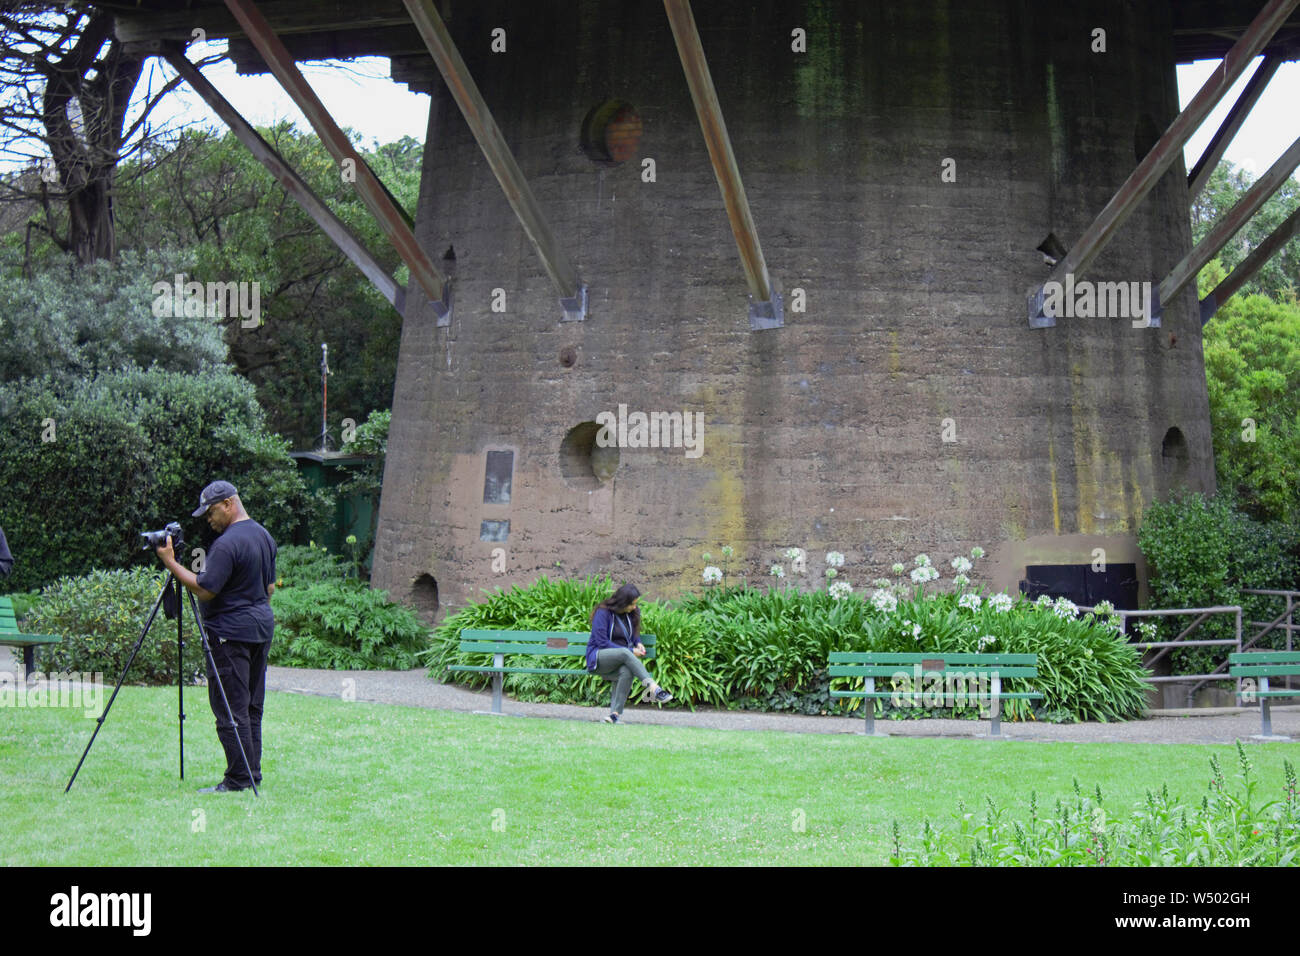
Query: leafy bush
[(769, 649), (306, 564), (99, 617), (1227, 828), (129, 452), (1205, 551), (344, 625)]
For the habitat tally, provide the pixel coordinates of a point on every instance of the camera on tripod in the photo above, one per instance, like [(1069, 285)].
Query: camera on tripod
[(156, 539)]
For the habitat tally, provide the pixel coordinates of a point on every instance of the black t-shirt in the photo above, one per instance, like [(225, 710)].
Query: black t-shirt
[(239, 569)]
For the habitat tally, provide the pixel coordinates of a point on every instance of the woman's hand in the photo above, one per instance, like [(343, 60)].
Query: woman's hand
[(639, 650)]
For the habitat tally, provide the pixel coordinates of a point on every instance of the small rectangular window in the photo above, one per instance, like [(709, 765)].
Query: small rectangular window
[(496, 480), (494, 530)]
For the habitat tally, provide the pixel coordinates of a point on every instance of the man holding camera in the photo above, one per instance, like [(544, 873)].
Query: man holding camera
[(235, 588)]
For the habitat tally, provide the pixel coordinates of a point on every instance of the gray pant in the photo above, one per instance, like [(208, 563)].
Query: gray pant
[(618, 665)]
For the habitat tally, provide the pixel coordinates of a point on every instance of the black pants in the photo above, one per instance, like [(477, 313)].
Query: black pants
[(242, 668)]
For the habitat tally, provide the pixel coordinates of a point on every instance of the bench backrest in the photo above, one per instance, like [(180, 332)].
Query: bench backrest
[(473, 641), (889, 664), (8, 620), (1263, 663)]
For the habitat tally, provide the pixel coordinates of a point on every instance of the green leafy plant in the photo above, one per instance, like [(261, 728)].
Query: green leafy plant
[(344, 625), (1230, 827), (99, 616)]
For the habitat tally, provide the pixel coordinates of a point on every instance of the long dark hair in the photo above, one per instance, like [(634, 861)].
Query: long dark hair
[(619, 600)]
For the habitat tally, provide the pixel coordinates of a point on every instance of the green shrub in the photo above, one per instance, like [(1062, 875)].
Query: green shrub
[(1204, 552), (297, 565), (127, 452), (1227, 828), (99, 616), (769, 650), (344, 625)]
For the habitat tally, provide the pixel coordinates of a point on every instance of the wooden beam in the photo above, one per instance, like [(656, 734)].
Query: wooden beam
[(392, 219), (467, 96), (1169, 147), (285, 16), (1225, 290), (1230, 224), (1200, 174), (705, 97), (293, 184)]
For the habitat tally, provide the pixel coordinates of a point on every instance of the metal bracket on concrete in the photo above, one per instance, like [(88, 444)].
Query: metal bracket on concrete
[(1038, 317), (442, 307), (767, 315), (575, 307)]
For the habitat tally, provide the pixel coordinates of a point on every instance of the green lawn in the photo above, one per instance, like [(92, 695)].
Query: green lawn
[(357, 783)]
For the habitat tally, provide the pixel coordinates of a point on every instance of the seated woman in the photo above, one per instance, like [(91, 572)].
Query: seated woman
[(614, 650)]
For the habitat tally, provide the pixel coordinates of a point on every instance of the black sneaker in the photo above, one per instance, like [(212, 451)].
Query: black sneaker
[(612, 719), (662, 696)]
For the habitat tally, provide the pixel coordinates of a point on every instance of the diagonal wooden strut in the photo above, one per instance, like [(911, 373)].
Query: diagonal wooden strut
[(1278, 238), (502, 162), (705, 97), (293, 184), (1230, 224), (1169, 147), (1200, 174), (392, 220)]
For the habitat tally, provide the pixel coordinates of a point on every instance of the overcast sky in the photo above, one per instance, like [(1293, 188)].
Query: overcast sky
[(360, 95)]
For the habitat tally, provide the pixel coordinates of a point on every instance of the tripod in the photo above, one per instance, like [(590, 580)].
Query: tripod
[(170, 582)]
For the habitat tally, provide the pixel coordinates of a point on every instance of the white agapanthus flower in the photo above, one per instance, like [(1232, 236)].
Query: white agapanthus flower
[(793, 554), (913, 629), (960, 580), (834, 559), (960, 565), (777, 571), (988, 640), (921, 560), (1065, 608), (728, 550), (831, 572), (1001, 603), (884, 601), (898, 567), (881, 583), (1043, 601), (841, 589), (1103, 608), (971, 601), (976, 553), (712, 574), (924, 573)]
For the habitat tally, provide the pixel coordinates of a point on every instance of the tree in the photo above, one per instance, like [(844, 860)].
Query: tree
[(68, 87), (1280, 277)]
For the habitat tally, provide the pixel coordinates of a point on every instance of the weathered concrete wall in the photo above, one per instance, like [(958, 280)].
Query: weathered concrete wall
[(828, 433)]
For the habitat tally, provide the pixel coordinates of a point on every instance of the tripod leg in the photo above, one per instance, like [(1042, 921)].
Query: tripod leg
[(99, 723), (230, 714), (180, 672)]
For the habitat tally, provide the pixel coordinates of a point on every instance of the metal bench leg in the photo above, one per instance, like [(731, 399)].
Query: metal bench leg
[(869, 706), (1263, 708), (997, 705), (29, 661), (497, 679)]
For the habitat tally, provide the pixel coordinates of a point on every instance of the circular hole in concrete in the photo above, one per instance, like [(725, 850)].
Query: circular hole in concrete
[(611, 133), (424, 596), (568, 356), (584, 462)]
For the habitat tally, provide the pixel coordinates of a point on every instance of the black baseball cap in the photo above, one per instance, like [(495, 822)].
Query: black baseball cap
[(217, 491)]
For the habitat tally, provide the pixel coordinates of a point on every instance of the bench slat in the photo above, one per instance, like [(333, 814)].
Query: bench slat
[(1280, 670), (881, 657), (559, 671), (1005, 695), (1264, 657), (892, 670)]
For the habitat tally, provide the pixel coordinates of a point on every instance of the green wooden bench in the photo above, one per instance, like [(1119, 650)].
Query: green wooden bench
[(12, 637), (532, 644), (1259, 666), (923, 670)]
